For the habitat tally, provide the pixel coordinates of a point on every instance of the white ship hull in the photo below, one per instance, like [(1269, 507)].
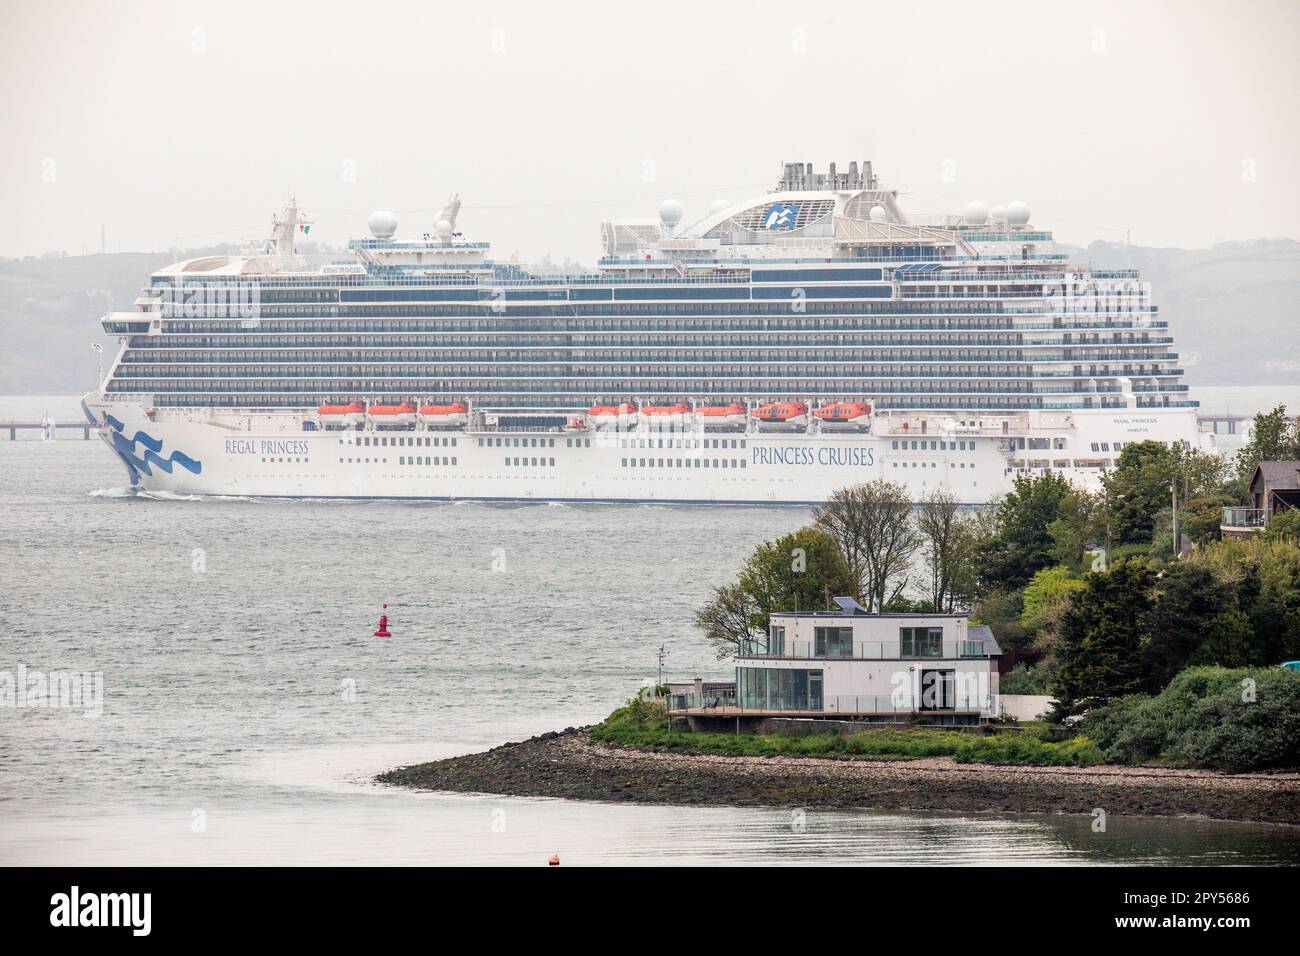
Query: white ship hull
[(197, 453)]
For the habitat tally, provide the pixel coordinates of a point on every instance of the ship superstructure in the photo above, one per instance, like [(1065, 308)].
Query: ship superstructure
[(816, 335)]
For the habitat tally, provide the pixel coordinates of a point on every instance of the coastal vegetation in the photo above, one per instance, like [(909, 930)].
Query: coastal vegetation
[(1088, 594), (643, 724), (1208, 717)]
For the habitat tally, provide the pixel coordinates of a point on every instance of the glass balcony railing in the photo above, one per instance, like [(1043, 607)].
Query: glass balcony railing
[(865, 650), (727, 705), (1244, 518)]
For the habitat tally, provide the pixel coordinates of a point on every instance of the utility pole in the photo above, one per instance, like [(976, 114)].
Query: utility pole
[(662, 654), (1173, 488)]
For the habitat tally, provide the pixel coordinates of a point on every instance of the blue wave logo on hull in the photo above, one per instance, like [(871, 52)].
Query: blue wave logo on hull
[(144, 464)]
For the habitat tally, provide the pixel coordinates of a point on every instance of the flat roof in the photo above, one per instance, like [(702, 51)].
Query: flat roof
[(860, 614)]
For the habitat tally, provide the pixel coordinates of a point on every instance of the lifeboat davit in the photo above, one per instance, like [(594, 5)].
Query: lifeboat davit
[(456, 414), (608, 416), (844, 415), (665, 416), (576, 424), (721, 416), (341, 415), (781, 415), (392, 416)]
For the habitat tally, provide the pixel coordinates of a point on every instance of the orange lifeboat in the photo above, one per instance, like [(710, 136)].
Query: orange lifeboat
[(781, 415), (392, 416), (607, 416), (341, 415), (665, 416), (843, 415), (455, 414), (721, 416)]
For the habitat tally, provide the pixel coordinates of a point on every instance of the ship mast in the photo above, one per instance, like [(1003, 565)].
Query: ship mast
[(284, 227)]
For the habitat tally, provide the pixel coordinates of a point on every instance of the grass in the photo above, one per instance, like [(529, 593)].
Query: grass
[(643, 724)]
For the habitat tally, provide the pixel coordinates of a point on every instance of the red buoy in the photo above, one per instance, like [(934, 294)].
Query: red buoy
[(383, 625)]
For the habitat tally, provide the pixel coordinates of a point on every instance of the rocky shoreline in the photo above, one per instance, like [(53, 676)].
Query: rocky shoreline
[(571, 766)]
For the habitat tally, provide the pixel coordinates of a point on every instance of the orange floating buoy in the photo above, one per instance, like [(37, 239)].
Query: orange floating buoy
[(554, 860), (383, 625)]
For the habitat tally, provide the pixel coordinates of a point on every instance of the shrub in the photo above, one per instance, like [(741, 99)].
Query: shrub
[(1206, 718), (1027, 679)]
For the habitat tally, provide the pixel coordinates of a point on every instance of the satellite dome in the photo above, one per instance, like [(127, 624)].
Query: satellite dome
[(382, 223), (1017, 213), (670, 213), (878, 214), (718, 205), (999, 214), (443, 229), (976, 213)]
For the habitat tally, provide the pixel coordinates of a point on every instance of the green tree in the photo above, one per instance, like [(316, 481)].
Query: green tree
[(1275, 436), (1102, 634), (1046, 596), (1137, 488), (871, 526), (1081, 526), (800, 571), (947, 534), (1187, 600), (1021, 544), (1285, 526)]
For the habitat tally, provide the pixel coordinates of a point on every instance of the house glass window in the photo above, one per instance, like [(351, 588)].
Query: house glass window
[(920, 641), (770, 688), (833, 641)]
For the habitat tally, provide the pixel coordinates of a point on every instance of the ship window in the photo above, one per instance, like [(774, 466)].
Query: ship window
[(453, 459), (568, 443), (624, 462), (552, 462), (742, 463)]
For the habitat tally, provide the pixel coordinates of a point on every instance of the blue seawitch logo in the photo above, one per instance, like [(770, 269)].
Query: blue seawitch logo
[(781, 216), (151, 458)]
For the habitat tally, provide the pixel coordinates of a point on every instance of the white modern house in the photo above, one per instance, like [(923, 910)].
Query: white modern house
[(855, 664)]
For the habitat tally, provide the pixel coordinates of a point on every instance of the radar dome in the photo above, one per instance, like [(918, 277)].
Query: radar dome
[(878, 214), (1017, 213), (999, 214), (977, 213), (382, 223), (443, 229), (718, 205), (670, 213)]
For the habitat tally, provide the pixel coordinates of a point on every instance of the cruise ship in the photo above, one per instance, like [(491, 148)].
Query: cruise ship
[(772, 351)]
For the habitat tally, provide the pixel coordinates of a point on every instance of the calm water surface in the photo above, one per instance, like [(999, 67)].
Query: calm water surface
[(246, 705)]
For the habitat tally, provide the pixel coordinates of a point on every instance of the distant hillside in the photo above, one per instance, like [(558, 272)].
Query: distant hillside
[(1235, 310)]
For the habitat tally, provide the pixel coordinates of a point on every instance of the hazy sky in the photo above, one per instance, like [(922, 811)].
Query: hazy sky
[(189, 123)]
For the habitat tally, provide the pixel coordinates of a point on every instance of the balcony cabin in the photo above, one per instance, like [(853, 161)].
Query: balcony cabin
[(850, 664), (1274, 487)]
